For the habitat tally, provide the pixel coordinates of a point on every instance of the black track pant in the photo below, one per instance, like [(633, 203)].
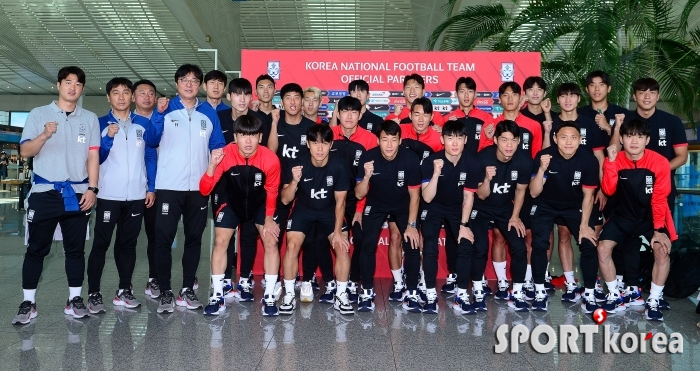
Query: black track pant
[(45, 212), (430, 224), (149, 225), (170, 205), (372, 226), (316, 252), (126, 216), (249, 247), (542, 217), (471, 257)]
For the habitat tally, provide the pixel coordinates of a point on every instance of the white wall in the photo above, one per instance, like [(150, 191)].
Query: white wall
[(96, 104)]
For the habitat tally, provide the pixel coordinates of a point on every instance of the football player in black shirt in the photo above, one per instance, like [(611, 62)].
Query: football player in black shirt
[(389, 177), (360, 89), (448, 176), (499, 200), (538, 107), (565, 178), (317, 183)]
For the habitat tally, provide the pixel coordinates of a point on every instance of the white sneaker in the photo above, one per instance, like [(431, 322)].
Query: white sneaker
[(278, 290), (306, 293)]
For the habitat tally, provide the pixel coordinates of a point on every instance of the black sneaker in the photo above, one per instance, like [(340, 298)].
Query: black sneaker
[(76, 308), (95, 304), (167, 303)]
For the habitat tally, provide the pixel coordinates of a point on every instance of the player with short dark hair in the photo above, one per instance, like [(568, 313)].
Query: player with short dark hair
[(317, 183), (395, 174), (500, 198), (252, 177), (565, 177), (641, 180), (368, 120), (471, 116), (413, 88), (448, 176)]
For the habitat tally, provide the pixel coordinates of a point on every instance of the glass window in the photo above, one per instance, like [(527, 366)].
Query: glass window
[(4, 118), (17, 119)]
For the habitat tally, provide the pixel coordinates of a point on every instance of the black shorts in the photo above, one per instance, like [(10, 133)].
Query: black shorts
[(595, 219), (302, 220), (612, 232), (225, 217)]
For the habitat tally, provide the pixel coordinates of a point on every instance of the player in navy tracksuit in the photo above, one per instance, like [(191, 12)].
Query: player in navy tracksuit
[(127, 184), (251, 176), (185, 131), (640, 179)]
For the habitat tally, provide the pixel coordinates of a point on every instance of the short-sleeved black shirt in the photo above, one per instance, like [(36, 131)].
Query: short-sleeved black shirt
[(390, 181), (508, 176), (453, 180), (370, 121), (227, 124), (350, 152), (317, 185), (421, 149), (591, 137), (666, 133), (540, 117), (292, 141), (609, 114), (565, 179)]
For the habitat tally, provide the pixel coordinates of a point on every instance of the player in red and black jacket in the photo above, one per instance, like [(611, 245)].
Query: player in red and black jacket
[(640, 179), (413, 88), (473, 118), (252, 175), (419, 126)]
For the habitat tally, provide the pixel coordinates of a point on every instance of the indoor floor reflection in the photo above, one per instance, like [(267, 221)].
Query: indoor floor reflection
[(315, 336)]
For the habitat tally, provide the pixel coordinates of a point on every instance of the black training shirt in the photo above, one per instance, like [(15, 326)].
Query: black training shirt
[(565, 179), (350, 152), (227, 124), (391, 180), (453, 180), (591, 138), (317, 184), (292, 141), (508, 176), (609, 114), (370, 121)]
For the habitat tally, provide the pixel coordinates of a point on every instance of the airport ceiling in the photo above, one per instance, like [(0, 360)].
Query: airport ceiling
[(150, 38)]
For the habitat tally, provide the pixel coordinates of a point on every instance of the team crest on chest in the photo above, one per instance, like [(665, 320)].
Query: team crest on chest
[(583, 132), (514, 175), (462, 179), (258, 180), (329, 181), (139, 134), (662, 133), (303, 140), (478, 132)]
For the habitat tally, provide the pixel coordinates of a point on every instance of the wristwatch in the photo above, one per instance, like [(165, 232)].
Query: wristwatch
[(464, 224), (93, 189), (660, 230), (412, 224)]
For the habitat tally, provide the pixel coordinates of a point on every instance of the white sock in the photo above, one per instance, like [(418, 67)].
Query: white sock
[(270, 287), (150, 279), (589, 292), (546, 272), (612, 287), (477, 285), (289, 286), (397, 275), (569, 277), (242, 279), (217, 284), (500, 268), (73, 292), (29, 295), (340, 286), (655, 291), (528, 273), (539, 287), (517, 287), (461, 292), (620, 278)]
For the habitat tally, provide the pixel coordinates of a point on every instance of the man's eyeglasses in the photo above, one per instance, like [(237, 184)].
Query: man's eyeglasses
[(189, 82)]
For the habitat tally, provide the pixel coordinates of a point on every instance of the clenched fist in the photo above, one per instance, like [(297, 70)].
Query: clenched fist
[(544, 161), (50, 128), (296, 173), (369, 169), (112, 130), (612, 153), (216, 156), (163, 104), (490, 172), (437, 166)]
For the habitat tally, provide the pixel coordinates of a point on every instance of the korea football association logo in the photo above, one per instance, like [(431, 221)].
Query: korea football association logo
[(273, 69), (507, 71)]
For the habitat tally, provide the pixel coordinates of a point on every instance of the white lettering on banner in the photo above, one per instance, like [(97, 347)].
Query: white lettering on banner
[(460, 67)]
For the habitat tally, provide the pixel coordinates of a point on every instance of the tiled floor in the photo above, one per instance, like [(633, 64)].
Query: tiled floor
[(314, 337)]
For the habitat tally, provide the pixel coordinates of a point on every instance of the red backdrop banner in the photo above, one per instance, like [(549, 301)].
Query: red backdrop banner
[(332, 71)]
